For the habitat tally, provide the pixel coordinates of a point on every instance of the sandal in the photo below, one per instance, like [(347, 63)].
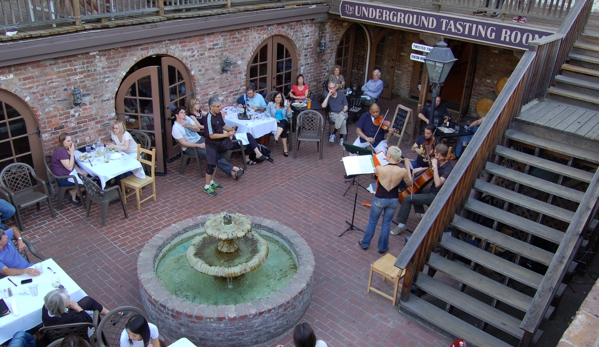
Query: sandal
[(251, 162), (285, 154), (238, 174)]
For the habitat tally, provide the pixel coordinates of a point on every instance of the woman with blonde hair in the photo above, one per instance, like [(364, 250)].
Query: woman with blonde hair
[(193, 110), (122, 139), (337, 78)]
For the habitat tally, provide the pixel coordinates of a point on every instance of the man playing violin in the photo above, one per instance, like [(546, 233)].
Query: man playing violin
[(371, 130), (441, 169), (385, 199), (424, 147)]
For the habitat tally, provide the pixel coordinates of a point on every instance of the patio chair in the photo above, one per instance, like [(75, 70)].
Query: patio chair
[(141, 138), (309, 128), (56, 332), (355, 108), (29, 247), (240, 150), (55, 189), (24, 189), (185, 161), (103, 197), (270, 96), (108, 333), (137, 183)]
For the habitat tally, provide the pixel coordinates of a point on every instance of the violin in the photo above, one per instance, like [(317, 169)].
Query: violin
[(381, 122)]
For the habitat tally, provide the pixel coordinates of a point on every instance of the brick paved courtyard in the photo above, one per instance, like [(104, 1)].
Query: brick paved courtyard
[(304, 194)]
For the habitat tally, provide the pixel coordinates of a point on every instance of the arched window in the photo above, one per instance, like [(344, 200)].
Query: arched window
[(273, 65)]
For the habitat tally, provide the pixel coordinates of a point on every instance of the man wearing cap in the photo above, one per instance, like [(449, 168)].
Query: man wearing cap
[(11, 262)]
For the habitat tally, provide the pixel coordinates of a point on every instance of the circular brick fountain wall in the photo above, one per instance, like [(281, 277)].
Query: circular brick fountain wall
[(229, 325)]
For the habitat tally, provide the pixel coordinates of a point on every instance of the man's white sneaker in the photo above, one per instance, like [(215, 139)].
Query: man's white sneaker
[(341, 141), (398, 230), (332, 138)]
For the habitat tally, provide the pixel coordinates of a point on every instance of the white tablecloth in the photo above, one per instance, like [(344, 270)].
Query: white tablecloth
[(107, 171), (257, 127), (30, 307), (182, 342)]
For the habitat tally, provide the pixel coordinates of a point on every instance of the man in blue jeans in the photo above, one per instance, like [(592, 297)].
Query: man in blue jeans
[(385, 199), (6, 211), (22, 339)]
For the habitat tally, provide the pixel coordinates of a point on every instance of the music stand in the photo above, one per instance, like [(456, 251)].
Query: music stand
[(357, 165), (358, 151)]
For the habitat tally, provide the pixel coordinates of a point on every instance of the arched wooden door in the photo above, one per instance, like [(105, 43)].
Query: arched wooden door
[(138, 105), (176, 89), (385, 46), (273, 65), (19, 134)]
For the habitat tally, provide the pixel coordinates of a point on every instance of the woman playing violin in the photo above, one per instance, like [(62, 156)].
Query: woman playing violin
[(424, 147), (373, 129)]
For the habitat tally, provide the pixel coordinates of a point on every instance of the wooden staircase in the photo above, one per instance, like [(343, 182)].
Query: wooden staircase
[(494, 256), (578, 83)]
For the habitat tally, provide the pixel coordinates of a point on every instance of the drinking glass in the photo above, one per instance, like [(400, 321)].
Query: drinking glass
[(55, 280), (39, 267), (33, 289)]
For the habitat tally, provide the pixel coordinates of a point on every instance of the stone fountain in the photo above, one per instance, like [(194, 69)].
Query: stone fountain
[(247, 258)]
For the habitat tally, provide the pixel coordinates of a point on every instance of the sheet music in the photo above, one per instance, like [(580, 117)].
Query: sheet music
[(358, 164), (380, 156)]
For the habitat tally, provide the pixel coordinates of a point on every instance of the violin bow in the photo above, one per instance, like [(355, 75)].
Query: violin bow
[(377, 130)]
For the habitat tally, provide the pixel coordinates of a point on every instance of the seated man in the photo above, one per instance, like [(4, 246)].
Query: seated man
[(370, 134), (441, 114), (373, 88), (7, 210), (185, 131), (253, 100), (424, 143), (441, 169), (338, 107), (11, 262), (465, 140)]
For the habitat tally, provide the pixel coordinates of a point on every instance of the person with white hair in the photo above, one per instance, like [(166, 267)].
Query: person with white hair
[(373, 88), (385, 199), (60, 309)]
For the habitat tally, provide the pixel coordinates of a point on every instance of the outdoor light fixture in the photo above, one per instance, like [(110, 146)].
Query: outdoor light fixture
[(322, 46), (227, 64), (438, 63), (77, 101)]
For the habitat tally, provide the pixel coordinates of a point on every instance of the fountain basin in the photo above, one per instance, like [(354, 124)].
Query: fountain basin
[(242, 324)]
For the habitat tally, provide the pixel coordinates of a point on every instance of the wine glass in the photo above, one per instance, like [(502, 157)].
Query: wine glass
[(55, 280), (354, 87)]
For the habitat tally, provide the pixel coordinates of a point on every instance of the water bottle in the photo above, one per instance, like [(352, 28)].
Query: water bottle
[(309, 103), (106, 155)]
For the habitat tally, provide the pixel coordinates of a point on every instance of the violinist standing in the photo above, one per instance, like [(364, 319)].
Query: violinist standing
[(385, 199), (441, 169), (424, 147), (370, 132)]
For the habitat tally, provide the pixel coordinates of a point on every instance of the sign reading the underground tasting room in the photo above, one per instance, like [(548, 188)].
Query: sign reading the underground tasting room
[(486, 31)]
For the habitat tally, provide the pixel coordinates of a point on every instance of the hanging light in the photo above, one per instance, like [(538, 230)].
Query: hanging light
[(438, 63), (322, 46), (77, 101), (227, 65)]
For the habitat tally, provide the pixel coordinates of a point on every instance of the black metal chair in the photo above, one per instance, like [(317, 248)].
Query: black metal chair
[(108, 333), (310, 129), (102, 197), (55, 189), (56, 332), (24, 189), (355, 108)]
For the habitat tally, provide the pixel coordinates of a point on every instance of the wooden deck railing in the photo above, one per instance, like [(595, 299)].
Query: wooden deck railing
[(528, 81), (551, 8), (17, 14)]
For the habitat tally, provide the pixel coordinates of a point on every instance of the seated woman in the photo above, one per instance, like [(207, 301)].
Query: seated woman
[(299, 91), (122, 139), (337, 78), (281, 113), (63, 163), (193, 110), (60, 309), (139, 333)]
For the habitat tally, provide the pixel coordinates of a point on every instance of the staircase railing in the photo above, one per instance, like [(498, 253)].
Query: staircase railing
[(528, 81)]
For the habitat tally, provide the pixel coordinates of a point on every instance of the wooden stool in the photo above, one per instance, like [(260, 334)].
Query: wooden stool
[(385, 268)]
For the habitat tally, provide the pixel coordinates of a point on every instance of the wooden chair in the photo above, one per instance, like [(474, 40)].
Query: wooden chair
[(386, 268), (137, 183), (24, 189), (55, 189), (309, 128), (108, 333), (56, 332), (102, 197)]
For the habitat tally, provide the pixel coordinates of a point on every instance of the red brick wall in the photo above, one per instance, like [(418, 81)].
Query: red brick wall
[(46, 85)]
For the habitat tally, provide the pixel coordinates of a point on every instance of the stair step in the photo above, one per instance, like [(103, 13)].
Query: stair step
[(580, 69), (449, 323), (573, 95), (577, 82), (502, 240), (524, 201), (585, 58), (553, 146), (479, 282), (470, 305), (515, 221), (544, 164), (535, 182), (491, 261), (586, 46)]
